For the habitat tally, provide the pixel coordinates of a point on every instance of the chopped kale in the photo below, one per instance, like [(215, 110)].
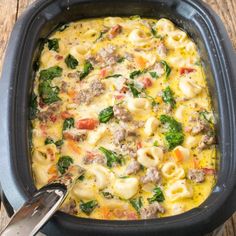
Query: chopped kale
[(68, 123), (63, 163), (71, 62), (167, 69), (106, 114), (48, 93), (112, 157), (136, 203), (135, 74), (88, 207), (158, 196), (53, 44), (50, 73), (88, 67), (168, 97), (174, 136)]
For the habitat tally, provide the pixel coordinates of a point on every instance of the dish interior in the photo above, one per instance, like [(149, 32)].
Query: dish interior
[(127, 99)]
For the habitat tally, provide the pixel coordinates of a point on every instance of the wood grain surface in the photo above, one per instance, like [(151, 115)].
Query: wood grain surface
[(10, 10)]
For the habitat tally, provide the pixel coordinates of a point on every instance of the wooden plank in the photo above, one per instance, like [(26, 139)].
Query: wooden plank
[(23, 4), (226, 9), (8, 11), (12, 9)]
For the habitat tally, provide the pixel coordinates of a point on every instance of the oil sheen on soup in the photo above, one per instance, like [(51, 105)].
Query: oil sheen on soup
[(127, 100)]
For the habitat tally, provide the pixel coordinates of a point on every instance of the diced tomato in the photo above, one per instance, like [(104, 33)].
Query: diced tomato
[(186, 70), (53, 118), (119, 213), (120, 96), (132, 215), (139, 145), (146, 82), (103, 72), (41, 104), (87, 123), (209, 171), (123, 90), (65, 115), (58, 57), (114, 31)]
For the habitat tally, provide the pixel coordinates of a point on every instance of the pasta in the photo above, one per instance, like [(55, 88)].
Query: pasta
[(126, 99)]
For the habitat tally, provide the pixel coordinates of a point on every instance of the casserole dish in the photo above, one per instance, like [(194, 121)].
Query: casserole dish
[(18, 73)]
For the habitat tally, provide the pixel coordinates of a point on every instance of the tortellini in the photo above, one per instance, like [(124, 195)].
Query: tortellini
[(79, 50), (102, 175), (150, 156), (176, 39), (136, 105), (179, 112), (185, 153), (164, 26), (178, 190), (139, 38), (189, 88), (126, 188), (151, 126), (95, 136), (45, 155), (111, 21), (40, 174), (171, 171), (84, 191)]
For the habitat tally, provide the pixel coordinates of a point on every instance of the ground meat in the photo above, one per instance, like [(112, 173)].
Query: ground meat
[(70, 207), (132, 168), (196, 175), (75, 134), (51, 110), (114, 31), (92, 157), (206, 141), (161, 50), (151, 211), (200, 127), (130, 150), (152, 175), (64, 87), (95, 89), (107, 56), (122, 113), (73, 75), (119, 136)]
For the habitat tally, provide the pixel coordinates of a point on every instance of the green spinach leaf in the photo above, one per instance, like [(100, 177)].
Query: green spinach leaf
[(63, 163), (106, 114), (68, 123), (53, 44), (50, 73), (88, 207), (88, 67), (167, 69), (168, 97), (158, 196), (71, 62), (136, 203), (112, 157)]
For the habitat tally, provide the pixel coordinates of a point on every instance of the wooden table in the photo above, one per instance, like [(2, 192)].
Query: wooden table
[(10, 10)]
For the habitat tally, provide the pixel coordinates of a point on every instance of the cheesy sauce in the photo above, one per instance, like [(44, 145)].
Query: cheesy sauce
[(126, 99)]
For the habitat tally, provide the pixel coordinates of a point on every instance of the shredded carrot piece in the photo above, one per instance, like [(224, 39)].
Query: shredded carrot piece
[(178, 155), (52, 170), (72, 94), (140, 61), (73, 146)]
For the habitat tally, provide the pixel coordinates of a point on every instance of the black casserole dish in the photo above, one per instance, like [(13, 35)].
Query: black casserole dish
[(16, 85)]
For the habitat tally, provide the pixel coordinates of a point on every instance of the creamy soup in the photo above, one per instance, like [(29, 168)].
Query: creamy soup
[(126, 99)]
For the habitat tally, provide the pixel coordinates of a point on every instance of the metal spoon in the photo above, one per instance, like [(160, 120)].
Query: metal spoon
[(42, 205)]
